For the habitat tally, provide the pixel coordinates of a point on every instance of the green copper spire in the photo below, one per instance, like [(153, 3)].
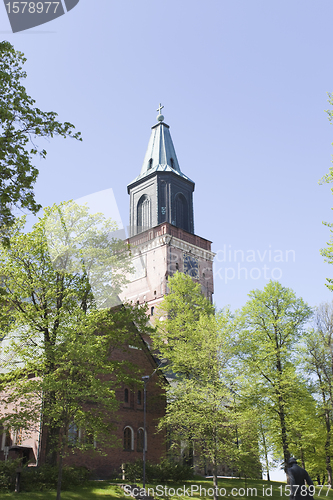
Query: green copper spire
[(161, 193), (160, 155)]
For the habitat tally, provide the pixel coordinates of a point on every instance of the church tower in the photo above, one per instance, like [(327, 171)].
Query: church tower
[(161, 193), (162, 237)]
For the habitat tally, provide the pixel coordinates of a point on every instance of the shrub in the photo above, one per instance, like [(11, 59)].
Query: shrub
[(8, 474), (133, 471), (175, 471), (45, 477), (164, 471)]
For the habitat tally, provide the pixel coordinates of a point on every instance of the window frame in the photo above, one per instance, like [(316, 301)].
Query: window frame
[(131, 448)]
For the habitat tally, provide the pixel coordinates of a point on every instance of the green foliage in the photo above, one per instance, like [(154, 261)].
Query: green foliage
[(203, 403), (328, 178), (166, 470), (327, 252), (246, 462), (307, 433), (272, 323), (59, 330), (8, 474), (318, 363), (21, 125), (179, 314), (45, 477)]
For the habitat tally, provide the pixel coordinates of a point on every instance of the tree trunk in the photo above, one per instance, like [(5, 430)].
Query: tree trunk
[(286, 454), (265, 451), (215, 481), (51, 444), (52, 431), (328, 447), (285, 446), (59, 476), (302, 457)]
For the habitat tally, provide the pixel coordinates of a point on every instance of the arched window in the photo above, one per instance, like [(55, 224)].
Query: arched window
[(143, 213), (181, 212), (152, 309), (172, 161), (128, 439), (150, 163), (73, 434), (139, 440), (126, 396), (139, 398)]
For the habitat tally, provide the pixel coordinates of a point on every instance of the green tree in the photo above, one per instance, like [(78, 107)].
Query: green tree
[(328, 178), (21, 125), (58, 326), (253, 409), (273, 320), (307, 436), (327, 252), (200, 348), (318, 357)]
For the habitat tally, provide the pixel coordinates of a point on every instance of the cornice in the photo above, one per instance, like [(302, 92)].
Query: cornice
[(168, 240)]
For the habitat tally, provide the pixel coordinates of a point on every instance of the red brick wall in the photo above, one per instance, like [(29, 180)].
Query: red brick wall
[(131, 415)]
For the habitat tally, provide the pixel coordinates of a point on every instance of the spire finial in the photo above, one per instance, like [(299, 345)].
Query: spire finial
[(160, 117)]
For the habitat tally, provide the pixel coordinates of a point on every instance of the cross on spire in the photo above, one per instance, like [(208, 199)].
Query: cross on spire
[(159, 109)]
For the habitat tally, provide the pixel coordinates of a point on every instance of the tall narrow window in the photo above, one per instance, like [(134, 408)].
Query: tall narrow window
[(152, 309), (163, 202), (73, 434), (150, 163), (181, 209), (126, 398), (139, 398), (128, 439), (140, 440), (143, 213), (172, 163)]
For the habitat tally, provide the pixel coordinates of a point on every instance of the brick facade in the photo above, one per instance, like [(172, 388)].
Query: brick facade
[(157, 254), (130, 415)]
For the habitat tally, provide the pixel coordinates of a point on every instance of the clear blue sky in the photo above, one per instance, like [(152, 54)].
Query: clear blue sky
[(244, 88)]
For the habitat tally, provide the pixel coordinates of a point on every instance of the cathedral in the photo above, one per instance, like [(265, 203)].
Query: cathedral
[(162, 241)]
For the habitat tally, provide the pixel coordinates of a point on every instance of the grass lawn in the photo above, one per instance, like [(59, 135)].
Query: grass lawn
[(263, 490), (93, 491), (234, 489)]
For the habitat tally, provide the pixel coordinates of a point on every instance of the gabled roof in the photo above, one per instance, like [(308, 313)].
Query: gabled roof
[(161, 155)]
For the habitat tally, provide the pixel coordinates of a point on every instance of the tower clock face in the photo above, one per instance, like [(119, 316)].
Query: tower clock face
[(191, 266)]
